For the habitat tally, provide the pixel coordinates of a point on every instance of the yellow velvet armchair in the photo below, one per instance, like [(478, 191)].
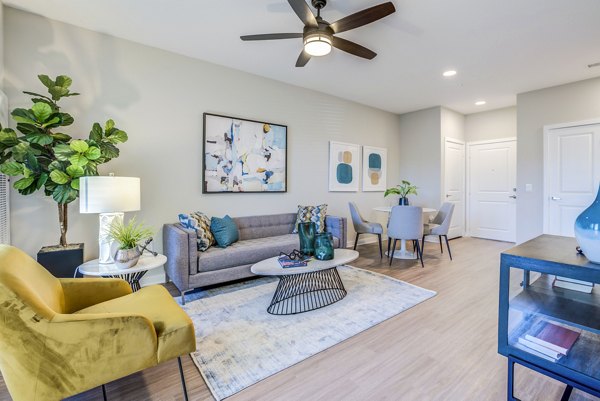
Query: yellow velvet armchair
[(59, 337)]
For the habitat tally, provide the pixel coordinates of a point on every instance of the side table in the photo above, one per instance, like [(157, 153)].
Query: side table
[(131, 275)]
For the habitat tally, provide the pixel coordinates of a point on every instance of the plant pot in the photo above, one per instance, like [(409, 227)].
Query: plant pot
[(306, 232), (127, 258), (61, 261), (587, 231), (403, 202)]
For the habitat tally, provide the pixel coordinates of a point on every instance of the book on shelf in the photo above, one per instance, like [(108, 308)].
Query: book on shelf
[(286, 262), (572, 284), (541, 349), (552, 336), (522, 347)]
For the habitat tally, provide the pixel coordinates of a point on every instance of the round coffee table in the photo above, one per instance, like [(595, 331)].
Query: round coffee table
[(306, 288), (131, 275)]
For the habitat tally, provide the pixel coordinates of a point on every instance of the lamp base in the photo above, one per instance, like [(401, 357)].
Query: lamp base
[(107, 248)]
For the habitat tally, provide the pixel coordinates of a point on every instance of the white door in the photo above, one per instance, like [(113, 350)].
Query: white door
[(492, 189), (454, 183), (571, 175)]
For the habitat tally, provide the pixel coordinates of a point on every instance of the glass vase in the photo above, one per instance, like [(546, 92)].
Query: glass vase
[(306, 232), (324, 246), (587, 231)]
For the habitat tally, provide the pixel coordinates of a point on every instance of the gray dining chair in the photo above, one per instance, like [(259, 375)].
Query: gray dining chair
[(362, 226), (440, 225), (406, 223)]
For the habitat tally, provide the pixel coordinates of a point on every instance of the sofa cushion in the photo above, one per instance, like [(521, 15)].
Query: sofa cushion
[(224, 230), (200, 223), (315, 214), (249, 252)]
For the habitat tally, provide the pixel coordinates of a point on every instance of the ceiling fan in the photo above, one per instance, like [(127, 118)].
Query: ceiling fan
[(318, 35)]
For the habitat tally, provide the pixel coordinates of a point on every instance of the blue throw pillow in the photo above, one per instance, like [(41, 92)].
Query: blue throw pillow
[(224, 230)]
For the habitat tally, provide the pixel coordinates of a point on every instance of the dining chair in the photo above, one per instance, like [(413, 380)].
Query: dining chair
[(440, 225), (406, 223), (362, 226)]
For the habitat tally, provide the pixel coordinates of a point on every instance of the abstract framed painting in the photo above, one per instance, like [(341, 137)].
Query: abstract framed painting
[(374, 167), (344, 166), (243, 156)]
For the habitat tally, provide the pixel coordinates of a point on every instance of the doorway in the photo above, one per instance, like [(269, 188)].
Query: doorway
[(454, 184)]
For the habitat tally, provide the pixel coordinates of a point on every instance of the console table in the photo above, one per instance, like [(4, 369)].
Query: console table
[(534, 299)]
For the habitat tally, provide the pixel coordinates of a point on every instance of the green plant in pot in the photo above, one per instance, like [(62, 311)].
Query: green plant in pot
[(129, 235), (42, 157), (404, 189)]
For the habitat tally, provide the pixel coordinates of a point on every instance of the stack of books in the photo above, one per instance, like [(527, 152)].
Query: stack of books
[(286, 262), (548, 340), (572, 284)]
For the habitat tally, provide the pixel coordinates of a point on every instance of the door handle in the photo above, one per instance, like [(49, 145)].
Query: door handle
[(512, 196), (555, 198), (447, 195)]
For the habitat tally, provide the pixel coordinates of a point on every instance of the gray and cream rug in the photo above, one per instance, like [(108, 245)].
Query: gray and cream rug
[(240, 344)]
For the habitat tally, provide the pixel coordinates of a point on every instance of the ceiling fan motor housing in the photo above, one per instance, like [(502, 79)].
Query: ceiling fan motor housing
[(319, 4)]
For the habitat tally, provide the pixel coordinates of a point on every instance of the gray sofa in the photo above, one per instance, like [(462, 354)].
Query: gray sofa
[(261, 237)]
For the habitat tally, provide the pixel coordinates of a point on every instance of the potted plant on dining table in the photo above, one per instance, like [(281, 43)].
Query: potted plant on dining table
[(404, 189)]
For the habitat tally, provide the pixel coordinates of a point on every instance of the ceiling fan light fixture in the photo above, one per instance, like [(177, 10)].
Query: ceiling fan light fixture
[(318, 44)]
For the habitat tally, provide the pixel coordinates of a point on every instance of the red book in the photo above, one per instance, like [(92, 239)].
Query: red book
[(554, 337)]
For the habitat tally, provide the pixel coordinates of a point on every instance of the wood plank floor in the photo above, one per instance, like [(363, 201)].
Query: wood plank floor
[(442, 349)]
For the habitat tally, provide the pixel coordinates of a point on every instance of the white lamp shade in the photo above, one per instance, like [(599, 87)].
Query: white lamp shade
[(109, 194)]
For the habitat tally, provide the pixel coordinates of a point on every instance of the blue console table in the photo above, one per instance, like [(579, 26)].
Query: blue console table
[(527, 296)]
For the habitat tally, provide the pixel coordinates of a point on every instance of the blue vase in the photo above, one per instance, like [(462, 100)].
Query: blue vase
[(587, 231), (307, 232), (324, 246)]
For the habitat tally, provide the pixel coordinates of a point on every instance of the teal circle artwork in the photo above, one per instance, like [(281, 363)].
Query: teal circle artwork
[(344, 173), (375, 161)]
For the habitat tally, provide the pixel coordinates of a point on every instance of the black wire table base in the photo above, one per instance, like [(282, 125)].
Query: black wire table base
[(132, 278), (297, 293)]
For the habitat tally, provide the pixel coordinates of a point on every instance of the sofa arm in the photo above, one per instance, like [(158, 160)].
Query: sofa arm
[(83, 292), (337, 227), (180, 248)]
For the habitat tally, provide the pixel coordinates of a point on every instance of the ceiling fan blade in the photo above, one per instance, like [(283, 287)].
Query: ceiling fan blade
[(271, 36), (353, 48), (303, 12), (303, 58), (363, 17)]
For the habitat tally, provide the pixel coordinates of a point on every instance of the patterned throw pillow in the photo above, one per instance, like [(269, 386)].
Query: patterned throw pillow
[(200, 223), (315, 214)]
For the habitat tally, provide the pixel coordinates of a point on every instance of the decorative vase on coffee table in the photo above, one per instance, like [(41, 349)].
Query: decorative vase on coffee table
[(306, 232), (324, 246), (587, 230)]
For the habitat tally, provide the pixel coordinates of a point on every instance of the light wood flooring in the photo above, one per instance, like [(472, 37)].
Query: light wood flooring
[(442, 349)]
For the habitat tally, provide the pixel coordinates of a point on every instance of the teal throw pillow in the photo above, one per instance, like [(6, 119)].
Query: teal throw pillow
[(224, 230)]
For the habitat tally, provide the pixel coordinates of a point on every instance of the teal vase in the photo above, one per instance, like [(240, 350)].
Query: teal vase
[(324, 246), (587, 231), (306, 232)]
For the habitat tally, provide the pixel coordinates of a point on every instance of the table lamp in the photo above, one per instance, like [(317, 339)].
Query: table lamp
[(110, 196)]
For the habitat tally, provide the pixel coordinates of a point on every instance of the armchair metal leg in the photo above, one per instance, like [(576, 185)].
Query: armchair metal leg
[(441, 247), (356, 241), (104, 393), (393, 249), (380, 246), (420, 253), (389, 245), (185, 394), (447, 246), (423, 244)]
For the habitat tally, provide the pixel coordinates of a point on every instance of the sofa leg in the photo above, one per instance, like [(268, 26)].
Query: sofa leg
[(104, 393), (182, 297), (185, 394)]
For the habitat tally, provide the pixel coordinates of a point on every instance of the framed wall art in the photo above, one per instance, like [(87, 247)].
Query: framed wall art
[(374, 169), (344, 166), (243, 155)]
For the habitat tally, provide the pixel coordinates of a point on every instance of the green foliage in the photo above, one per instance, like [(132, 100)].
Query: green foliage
[(128, 235), (53, 160), (404, 189)]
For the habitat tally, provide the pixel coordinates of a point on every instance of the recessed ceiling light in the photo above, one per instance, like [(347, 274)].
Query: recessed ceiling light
[(480, 103), (449, 73)]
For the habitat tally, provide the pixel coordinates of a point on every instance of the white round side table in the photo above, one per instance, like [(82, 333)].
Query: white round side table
[(131, 275)]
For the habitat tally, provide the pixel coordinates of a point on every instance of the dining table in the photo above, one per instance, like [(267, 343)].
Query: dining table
[(403, 253)]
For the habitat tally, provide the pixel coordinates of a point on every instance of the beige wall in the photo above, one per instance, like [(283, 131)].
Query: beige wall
[(489, 125), (158, 98), (560, 104)]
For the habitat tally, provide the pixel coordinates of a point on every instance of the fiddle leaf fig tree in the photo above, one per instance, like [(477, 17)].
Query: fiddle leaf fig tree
[(41, 156)]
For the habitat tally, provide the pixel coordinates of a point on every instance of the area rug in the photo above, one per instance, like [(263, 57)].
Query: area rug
[(240, 344)]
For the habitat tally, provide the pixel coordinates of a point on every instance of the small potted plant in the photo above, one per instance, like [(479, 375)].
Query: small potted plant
[(404, 189), (129, 237)]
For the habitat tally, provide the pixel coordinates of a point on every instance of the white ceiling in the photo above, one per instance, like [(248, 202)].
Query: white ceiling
[(499, 47)]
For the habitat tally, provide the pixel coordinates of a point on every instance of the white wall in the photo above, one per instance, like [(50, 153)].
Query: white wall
[(493, 124), (560, 104), (452, 124), (158, 98), (419, 158)]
